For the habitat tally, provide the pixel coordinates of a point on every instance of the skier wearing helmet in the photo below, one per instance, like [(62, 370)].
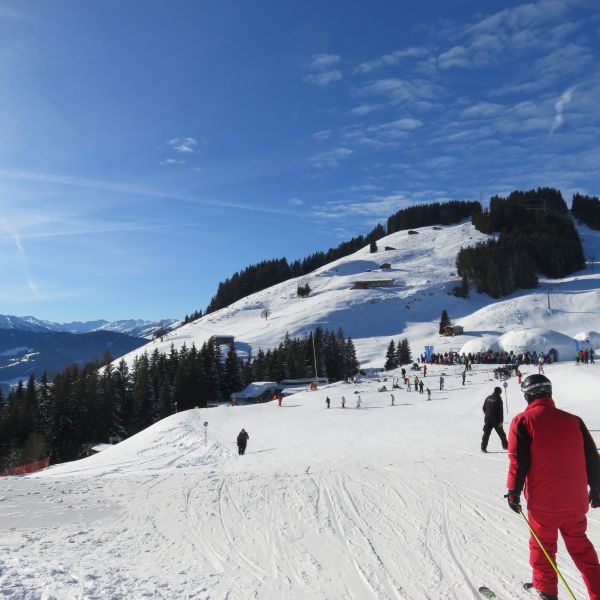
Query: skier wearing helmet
[(553, 459)]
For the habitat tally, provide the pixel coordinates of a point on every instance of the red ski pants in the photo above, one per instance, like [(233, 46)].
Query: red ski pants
[(572, 528)]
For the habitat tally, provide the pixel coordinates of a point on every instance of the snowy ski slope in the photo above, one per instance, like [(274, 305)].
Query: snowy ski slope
[(379, 502)]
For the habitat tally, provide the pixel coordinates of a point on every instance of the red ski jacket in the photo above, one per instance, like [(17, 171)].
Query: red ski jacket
[(553, 455)]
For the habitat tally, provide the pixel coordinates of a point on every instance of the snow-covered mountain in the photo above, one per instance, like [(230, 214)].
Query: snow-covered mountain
[(422, 267), (133, 327)]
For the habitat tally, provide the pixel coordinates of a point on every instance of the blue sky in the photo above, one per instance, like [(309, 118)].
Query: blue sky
[(150, 149)]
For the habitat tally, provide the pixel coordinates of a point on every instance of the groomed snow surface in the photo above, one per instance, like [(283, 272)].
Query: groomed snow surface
[(381, 502)]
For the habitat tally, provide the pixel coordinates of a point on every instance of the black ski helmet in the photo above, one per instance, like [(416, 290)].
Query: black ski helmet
[(536, 386)]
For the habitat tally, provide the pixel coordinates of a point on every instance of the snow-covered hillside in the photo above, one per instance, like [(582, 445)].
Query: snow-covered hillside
[(424, 272), (382, 502)]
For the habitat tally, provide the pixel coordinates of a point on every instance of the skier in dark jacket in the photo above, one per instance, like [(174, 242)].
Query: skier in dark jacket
[(494, 415), (242, 440), (554, 458)]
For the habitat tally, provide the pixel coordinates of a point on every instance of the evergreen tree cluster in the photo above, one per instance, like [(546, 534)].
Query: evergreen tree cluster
[(423, 215), (397, 354), (295, 358), (536, 235), (89, 404), (303, 289), (587, 210), (189, 318), (256, 278)]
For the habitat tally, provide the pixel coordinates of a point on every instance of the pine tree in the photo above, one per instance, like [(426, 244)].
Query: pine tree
[(444, 321), (232, 373), (351, 365), (122, 408), (405, 354), (390, 357), (373, 247)]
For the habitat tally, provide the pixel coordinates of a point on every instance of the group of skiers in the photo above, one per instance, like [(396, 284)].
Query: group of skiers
[(552, 459), (584, 356)]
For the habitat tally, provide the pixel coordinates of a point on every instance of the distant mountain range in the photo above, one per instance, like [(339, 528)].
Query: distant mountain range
[(133, 327), (29, 345)]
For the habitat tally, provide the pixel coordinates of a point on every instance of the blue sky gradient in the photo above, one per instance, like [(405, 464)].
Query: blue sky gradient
[(150, 149)]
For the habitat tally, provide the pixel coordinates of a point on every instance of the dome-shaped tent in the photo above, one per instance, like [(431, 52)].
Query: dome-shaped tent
[(485, 343), (588, 339), (538, 340)]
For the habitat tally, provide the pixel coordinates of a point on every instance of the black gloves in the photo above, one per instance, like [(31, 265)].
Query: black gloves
[(514, 501), (595, 498)]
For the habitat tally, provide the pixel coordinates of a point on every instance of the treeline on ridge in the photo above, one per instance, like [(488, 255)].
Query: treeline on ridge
[(260, 276), (423, 215), (587, 209), (536, 235), (89, 404)]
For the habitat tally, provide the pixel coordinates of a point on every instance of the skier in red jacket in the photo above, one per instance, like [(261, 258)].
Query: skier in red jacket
[(554, 458)]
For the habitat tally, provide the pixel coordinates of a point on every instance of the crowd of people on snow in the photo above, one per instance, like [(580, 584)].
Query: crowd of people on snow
[(502, 358)]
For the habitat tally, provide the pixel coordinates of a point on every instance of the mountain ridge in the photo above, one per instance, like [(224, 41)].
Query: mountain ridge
[(134, 327)]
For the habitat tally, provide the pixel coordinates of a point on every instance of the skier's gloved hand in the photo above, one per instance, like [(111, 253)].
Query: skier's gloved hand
[(514, 501), (595, 498)]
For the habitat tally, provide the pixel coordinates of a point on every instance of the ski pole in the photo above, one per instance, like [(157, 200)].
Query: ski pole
[(552, 564)]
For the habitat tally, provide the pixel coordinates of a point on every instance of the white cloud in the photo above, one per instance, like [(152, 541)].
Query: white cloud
[(391, 59), (381, 136), (331, 158), (171, 161), (295, 202), (22, 257), (325, 134), (375, 209), (365, 109), (482, 110), (183, 145), (323, 79), (401, 90), (322, 62), (458, 56), (559, 107)]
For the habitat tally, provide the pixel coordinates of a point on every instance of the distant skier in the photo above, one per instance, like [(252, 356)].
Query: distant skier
[(416, 384), (343, 402), (242, 440), (428, 394), (408, 386), (358, 402), (541, 366), (441, 382), (328, 402), (424, 370), (403, 371), (493, 409), (392, 395), (464, 376), (279, 399), (421, 386)]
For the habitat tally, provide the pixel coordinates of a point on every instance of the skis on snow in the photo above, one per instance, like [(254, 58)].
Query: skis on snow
[(487, 593)]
